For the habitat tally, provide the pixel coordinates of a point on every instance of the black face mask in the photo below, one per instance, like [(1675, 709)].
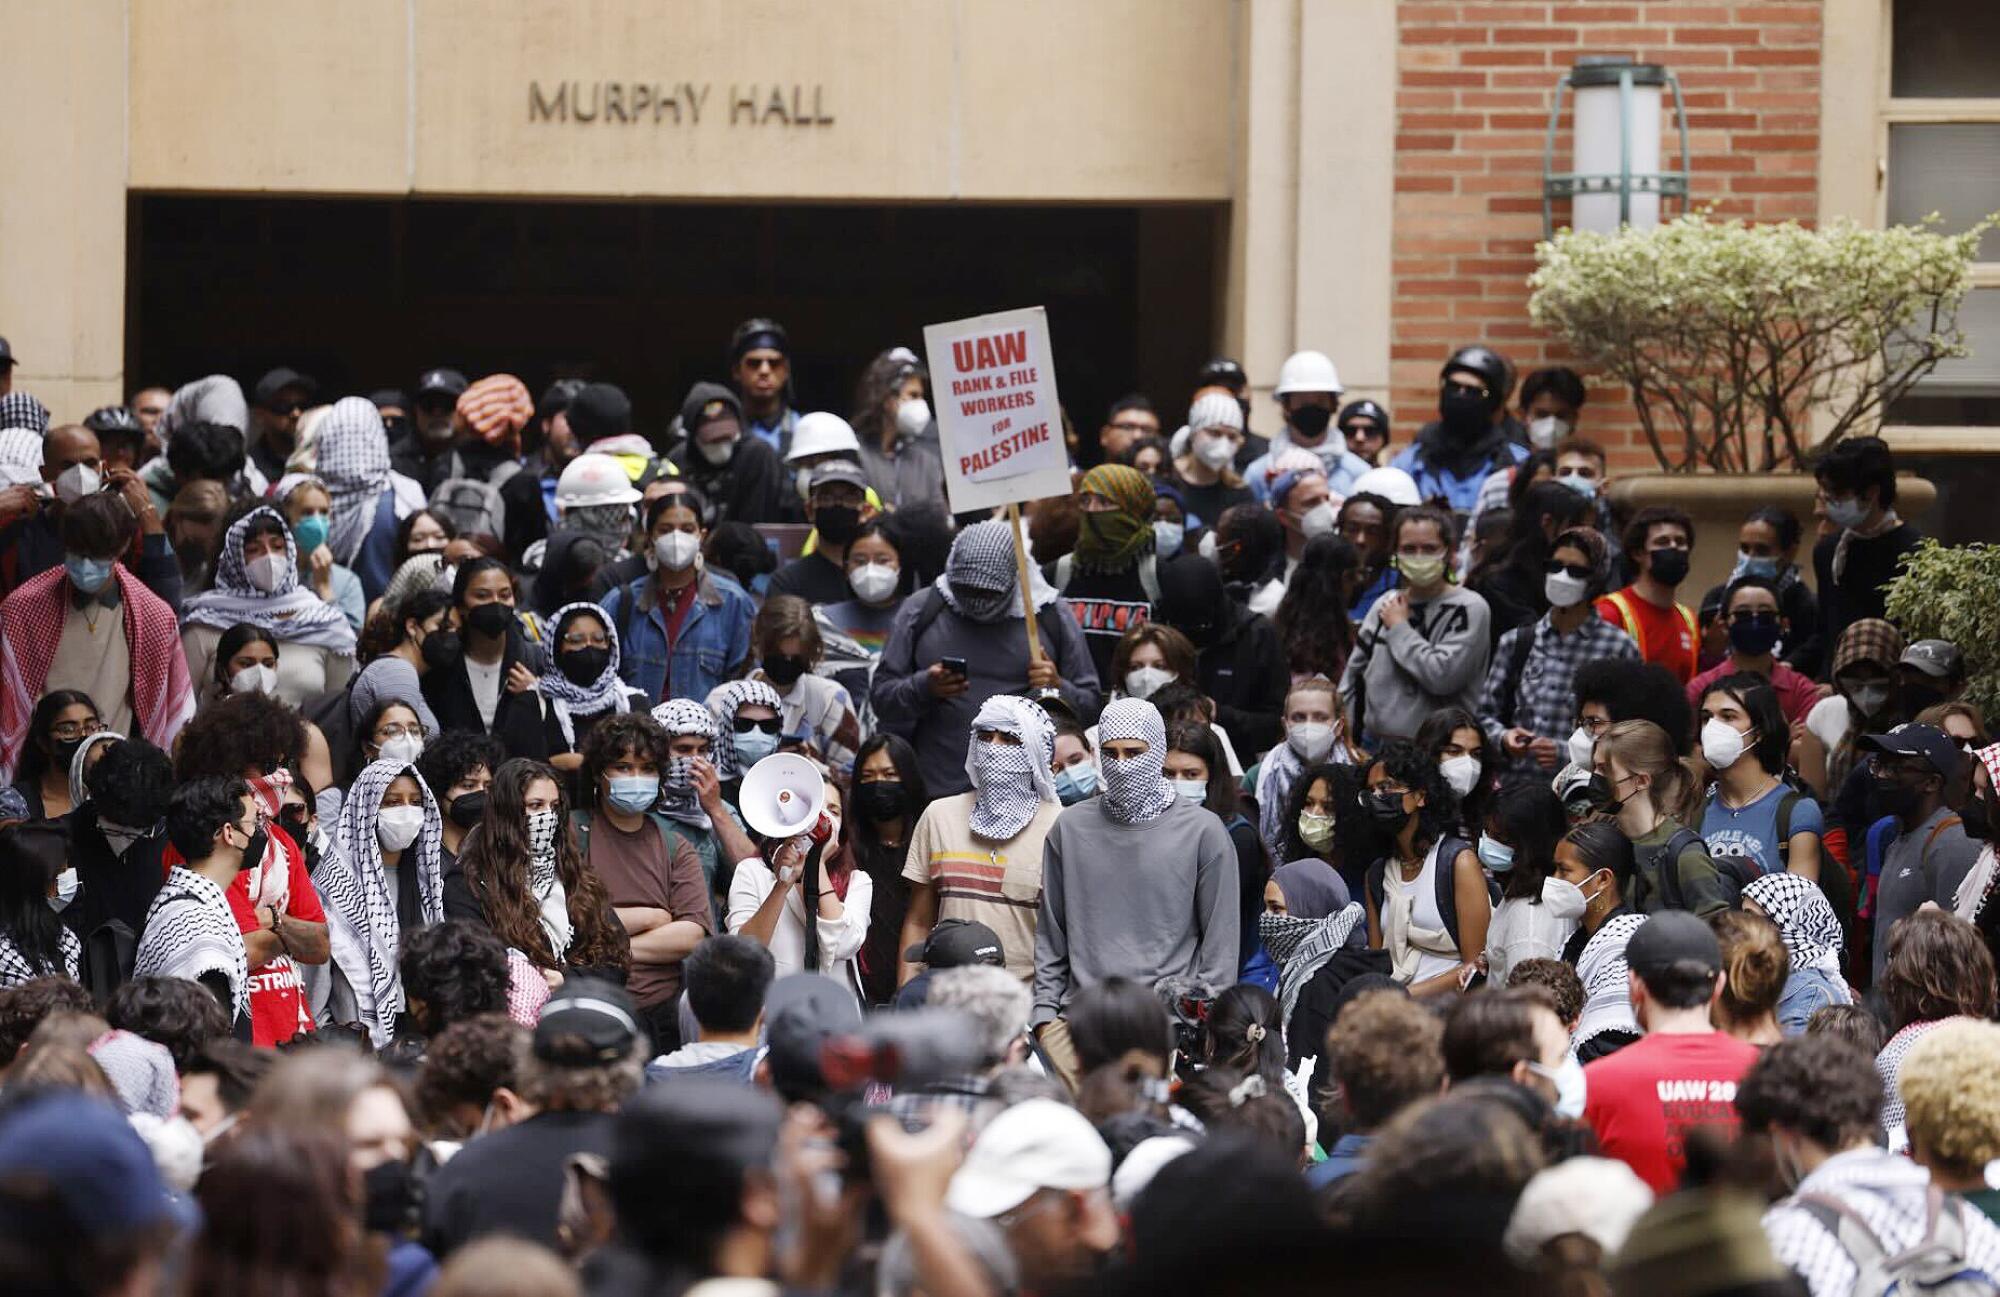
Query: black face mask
[(1977, 820), (491, 619), (390, 1200), (1386, 809), (1916, 696), (1669, 566), (837, 522), (253, 855), (1310, 420), (1897, 797), (784, 670), (191, 555), (583, 666), (1464, 412), (64, 753), (884, 799), (441, 649), (467, 809)]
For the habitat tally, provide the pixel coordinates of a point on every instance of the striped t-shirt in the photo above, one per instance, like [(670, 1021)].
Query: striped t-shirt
[(998, 884)]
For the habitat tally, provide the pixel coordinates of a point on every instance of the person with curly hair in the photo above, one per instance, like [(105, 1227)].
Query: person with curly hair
[(1951, 1104), (1938, 970), (458, 768), (451, 971), (115, 840), (1817, 1100), (1427, 898), (1311, 620), (469, 1083), (169, 1011), (647, 862), (522, 875), (23, 1006)]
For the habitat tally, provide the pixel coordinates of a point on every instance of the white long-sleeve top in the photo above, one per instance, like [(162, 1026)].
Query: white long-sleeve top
[(840, 938)]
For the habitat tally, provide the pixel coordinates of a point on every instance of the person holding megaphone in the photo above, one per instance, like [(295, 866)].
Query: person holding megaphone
[(806, 867)]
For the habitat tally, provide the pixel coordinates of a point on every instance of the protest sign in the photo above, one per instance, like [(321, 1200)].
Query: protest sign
[(994, 380)]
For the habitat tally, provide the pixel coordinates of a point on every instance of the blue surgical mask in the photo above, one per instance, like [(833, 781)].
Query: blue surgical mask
[(87, 574), (1076, 783), (633, 794), (754, 747), (1850, 512), (1762, 565), (1583, 486), (1167, 538), (1496, 856)]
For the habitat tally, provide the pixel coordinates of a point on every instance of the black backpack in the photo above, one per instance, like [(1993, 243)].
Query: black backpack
[(108, 955), (331, 711)]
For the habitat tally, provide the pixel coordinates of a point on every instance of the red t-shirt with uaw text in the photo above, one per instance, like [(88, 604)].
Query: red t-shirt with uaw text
[(1643, 1100)]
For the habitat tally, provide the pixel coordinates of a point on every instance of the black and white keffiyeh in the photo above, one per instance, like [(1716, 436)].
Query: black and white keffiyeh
[(216, 398), (723, 704), (979, 582), (1607, 1001), (606, 693), (20, 410), (1805, 919), (363, 926), (1136, 790), (680, 717), (16, 967), (1009, 782), (190, 931), (1302, 946), (289, 611), (354, 464)]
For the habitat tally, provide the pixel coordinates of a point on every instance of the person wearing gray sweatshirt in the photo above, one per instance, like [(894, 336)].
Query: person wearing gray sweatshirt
[(1423, 647), (1135, 883)]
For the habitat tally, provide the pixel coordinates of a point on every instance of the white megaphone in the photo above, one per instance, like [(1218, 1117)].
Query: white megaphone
[(783, 796)]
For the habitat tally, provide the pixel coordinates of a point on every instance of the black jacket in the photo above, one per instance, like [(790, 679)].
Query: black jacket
[(108, 886), (1244, 672), (523, 722)]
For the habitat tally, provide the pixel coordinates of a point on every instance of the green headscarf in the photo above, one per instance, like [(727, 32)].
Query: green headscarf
[(1113, 540)]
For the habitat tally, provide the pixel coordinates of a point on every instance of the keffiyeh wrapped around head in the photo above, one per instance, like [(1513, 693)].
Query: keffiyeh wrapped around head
[(141, 1073), (606, 693), (354, 464), (20, 457), (216, 399), (1009, 781), (363, 923), (680, 717), (288, 610), (79, 764), (1805, 919), (1301, 946), (979, 581), (1111, 540), (20, 410), (1607, 1001), (1135, 788), (723, 705)]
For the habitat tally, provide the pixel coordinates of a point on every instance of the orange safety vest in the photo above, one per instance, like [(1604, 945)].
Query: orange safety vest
[(1622, 601)]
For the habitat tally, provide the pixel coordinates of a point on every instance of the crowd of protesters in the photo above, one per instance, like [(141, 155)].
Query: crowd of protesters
[(1379, 868)]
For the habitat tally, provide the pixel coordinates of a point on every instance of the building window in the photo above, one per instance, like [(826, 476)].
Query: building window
[(1940, 151)]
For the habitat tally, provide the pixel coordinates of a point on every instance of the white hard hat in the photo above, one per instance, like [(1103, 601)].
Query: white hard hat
[(821, 433), (1307, 371), (1392, 484), (592, 479)]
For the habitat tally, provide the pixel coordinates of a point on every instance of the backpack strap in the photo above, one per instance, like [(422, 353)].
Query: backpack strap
[(1517, 662), (1445, 887), (1785, 805), (1931, 841), (932, 608), (1850, 1231), (1667, 868)]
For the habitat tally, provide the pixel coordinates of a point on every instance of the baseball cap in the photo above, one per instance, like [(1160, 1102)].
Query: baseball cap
[(588, 1022), (800, 1011), (1036, 1144), (100, 1169), (1672, 937), (383, 397), (954, 943), (445, 382), (1913, 740), (6, 352), (702, 1122), (836, 471), (1935, 657), (277, 380)]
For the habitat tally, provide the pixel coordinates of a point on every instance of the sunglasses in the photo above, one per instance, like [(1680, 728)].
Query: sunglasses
[(1578, 571), (745, 724)]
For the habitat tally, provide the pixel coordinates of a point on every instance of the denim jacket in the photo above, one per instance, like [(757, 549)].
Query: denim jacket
[(713, 645)]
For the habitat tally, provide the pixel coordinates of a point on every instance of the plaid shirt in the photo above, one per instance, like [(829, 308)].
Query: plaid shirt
[(1545, 699)]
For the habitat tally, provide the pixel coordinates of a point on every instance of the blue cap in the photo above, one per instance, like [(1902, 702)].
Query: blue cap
[(101, 1170)]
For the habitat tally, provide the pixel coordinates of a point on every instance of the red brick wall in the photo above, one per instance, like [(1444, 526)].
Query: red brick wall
[(1472, 101)]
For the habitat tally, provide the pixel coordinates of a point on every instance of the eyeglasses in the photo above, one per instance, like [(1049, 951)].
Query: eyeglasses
[(745, 724), (388, 732), (1577, 570), (1477, 389), (294, 817), (69, 731), (586, 639), (1593, 725)]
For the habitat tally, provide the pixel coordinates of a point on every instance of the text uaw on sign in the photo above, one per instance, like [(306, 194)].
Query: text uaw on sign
[(998, 421)]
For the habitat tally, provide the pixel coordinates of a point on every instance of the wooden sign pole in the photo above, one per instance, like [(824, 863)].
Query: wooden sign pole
[(1021, 574)]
